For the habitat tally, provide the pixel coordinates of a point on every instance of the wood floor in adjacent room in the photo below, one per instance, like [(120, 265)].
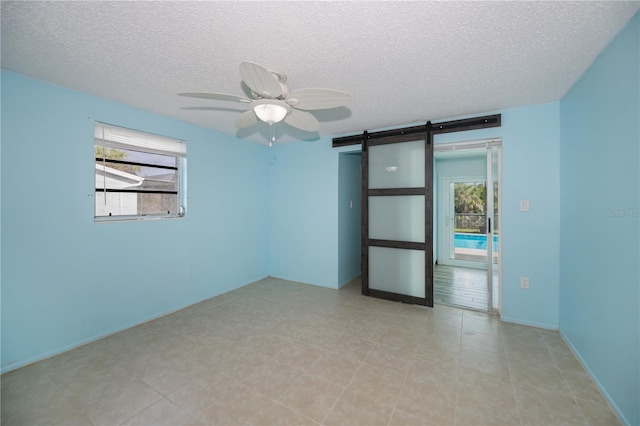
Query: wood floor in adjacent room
[(463, 287), (278, 352)]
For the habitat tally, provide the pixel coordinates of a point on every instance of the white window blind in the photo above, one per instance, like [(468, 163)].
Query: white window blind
[(119, 137)]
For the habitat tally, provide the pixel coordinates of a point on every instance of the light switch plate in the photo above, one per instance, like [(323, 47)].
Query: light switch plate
[(524, 205)]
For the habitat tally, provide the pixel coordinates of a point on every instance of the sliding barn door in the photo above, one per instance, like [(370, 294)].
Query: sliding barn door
[(397, 222)]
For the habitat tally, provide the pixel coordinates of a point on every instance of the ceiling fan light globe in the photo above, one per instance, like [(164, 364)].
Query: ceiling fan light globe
[(270, 111)]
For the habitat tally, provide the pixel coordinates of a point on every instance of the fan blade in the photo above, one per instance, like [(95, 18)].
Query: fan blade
[(216, 97), (310, 99), (246, 119), (302, 120), (260, 80)]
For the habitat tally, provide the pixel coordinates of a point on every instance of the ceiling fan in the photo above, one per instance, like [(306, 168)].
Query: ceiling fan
[(273, 102)]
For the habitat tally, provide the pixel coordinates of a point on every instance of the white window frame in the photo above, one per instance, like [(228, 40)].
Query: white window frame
[(110, 136)]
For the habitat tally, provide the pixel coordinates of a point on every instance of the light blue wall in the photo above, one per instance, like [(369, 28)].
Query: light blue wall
[(349, 212), (530, 170), (600, 193), (67, 280), (304, 211)]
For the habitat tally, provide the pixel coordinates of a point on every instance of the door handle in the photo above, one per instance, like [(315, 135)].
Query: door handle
[(489, 225)]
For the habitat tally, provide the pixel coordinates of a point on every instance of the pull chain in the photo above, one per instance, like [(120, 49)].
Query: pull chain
[(273, 138)]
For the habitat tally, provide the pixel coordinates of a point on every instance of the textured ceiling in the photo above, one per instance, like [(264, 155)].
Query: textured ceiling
[(403, 62)]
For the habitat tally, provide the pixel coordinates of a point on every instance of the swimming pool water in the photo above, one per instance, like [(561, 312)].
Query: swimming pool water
[(474, 241)]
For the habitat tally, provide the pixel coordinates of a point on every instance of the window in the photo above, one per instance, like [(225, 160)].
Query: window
[(138, 175)]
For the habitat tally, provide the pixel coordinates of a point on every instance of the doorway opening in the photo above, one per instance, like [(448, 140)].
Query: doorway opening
[(349, 212), (467, 246), (397, 208)]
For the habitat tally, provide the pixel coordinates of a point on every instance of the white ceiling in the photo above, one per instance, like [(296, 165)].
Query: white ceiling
[(403, 62)]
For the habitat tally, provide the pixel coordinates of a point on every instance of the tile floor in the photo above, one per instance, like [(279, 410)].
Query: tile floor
[(282, 353)]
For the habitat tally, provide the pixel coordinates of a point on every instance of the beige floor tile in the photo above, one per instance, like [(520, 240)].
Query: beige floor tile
[(93, 387), (552, 338), (298, 355), (482, 342), (401, 418), (25, 414), (310, 355), (272, 379), (198, 395), (543, 407), (237, 366), (512, 340), (568, 362), (353, 409), (123, 405), (78, 419), (321, 337), (477, 387), (434, 348), (279, 415), (312, 397), (163, 413), (289, 328), (443, 373), (446, 318), (389, 358), (376, 383), (444, 333), (448, 309), (399, 339), (428, 402), (539, 375), (352, 347), (268, 343), (363, 329), (334, 368), (143, 361), (479, 324), (489, 365), (240, 406), (583, 387), (167, 378), (413, 321), (521, 354), (473, 411), (598, 414)]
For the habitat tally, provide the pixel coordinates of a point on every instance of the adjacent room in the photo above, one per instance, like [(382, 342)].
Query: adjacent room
[(320, 213)]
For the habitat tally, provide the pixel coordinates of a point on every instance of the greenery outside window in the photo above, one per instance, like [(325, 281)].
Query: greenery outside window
[(138, 175)]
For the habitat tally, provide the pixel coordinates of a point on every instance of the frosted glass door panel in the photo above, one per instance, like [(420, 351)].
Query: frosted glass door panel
[(397, 218), (399, 165), (398, 271)]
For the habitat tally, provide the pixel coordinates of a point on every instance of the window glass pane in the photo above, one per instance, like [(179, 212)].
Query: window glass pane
[(397, 165), (157, 203), (141, 178), (132, 204), (135, 156)]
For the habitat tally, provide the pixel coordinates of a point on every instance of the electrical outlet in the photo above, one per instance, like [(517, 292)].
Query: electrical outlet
[(524, 282)]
